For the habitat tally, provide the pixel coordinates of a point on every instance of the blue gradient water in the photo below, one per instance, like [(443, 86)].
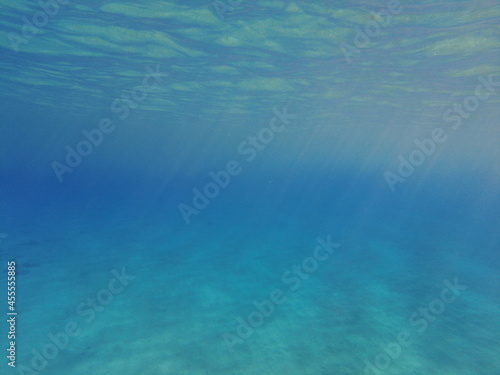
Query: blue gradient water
[(280, 188)]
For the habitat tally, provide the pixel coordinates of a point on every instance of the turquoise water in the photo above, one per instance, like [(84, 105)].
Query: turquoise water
[(240, 188)]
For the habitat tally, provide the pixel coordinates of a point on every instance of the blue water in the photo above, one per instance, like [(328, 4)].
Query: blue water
[(258, 188)]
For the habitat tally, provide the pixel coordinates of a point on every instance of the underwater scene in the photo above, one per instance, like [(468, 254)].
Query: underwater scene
[(236, 187)]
